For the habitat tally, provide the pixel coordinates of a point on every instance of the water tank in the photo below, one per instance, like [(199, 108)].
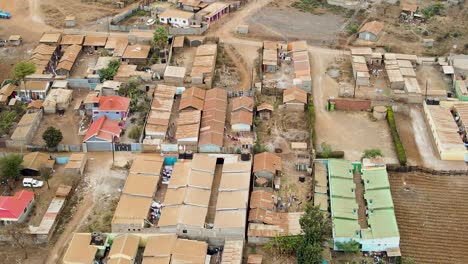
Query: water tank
[(188, 155), (301, 178), (181, 155), (380, 112), (245, 156)]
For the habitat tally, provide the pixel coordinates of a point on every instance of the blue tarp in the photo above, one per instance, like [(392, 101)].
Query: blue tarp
[(170, 160), (62, 160)]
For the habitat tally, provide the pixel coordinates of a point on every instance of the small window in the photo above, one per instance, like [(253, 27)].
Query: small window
[(162, 19), (185, 21)]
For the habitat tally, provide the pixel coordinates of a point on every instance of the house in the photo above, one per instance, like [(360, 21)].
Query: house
[(15, 40), (34, 161), (68, 40), (175, 17), (35, 106), (45, 58), (214, 12), (108, 88), (409, 9), (80, 250), (157, 124), (124, 249), (140, 36), (32, 90), (244, 103), (266, 165), (428, 43), (188, 129), (93, 43), (137, 54), (294, 99), (203, 65), (70, 21), (192, 5), (102, 134), (25, 130), (68, 60), (57, 99), (371, 30), (7, 92), (242, 114), (15, 209), (213, 121), (174, 75), (270, 56), (51, 38), (396, 79), (116, 45), (193, 98), (113, 107), (265, 111)]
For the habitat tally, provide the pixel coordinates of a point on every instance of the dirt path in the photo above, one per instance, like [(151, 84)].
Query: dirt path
[(241, 68)]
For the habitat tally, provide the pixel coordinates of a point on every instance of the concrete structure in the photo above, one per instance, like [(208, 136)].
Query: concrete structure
[(214, 12), (371, 30), (76, 164), (360, 71), (192, 5), (25, 130), (15, 209), (461, 90), (57, 99), (174, 75), (243, 29), (176, 17), (449, 143), (136, 54), (15, 40), (301, 64)]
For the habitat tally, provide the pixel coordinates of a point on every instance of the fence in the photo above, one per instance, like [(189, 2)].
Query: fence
[(407, 169), (122, 16), (68, 148), (249, 93), (351, 104), (83, 83), (124, 28)]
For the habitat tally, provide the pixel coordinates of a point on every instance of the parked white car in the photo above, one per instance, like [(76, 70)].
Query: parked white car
[(32, 183), (150, 22)]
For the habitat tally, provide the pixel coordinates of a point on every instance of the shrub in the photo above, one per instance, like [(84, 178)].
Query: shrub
[(52, 137), (396, 137), (372, 153), (135, 132), (332, 155), (352, 28), (311, 109)]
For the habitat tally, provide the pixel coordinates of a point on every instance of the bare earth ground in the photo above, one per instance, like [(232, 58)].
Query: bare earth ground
[(68, 123), (432, 216)]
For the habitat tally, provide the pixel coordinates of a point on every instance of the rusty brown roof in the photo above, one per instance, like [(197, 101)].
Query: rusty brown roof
[(194, 91), (267, 161), (241, 117), (265, 106), (244, 102), (374, 27), (294, 94), (262, 199)]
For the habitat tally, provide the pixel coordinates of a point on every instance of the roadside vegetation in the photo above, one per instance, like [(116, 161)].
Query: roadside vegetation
[(396, 137), (109, 72)]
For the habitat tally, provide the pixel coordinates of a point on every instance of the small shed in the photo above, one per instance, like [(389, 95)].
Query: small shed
[(371, 30), (34, 161), (76, 164), (243, 29), (241, 121), (294, 99), (428, 43), (266, 165), (265, 110), (15, 40), (70, 21), (396, 79), (174, 74), (58, 99)]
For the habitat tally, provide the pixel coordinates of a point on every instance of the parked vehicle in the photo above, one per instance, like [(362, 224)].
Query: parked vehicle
[(4, 14), (150, 22), (32, 183)]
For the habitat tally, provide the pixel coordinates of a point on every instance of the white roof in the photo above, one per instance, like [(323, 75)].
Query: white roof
[(448, 69)]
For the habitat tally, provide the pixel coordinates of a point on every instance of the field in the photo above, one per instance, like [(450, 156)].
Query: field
[(432, 216)]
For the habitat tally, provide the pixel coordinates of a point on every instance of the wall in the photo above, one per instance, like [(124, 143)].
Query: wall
[(380, 244), (240, 128), (188, 31), (82, 83), (20, 143), (293, 107), (351, 104), (109, 114), (209, 148)]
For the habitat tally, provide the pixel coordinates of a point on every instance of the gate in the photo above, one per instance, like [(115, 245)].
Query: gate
[(122, 147)]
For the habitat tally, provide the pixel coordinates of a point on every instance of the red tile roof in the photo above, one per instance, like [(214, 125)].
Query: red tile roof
[(12, 207), (103, 128), (113, 103)]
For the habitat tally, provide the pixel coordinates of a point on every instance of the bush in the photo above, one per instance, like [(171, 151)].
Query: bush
[(396, 137), (52, 137), (311, 109), (135, 132), (352, 28), (109, 72), (372, 153), (332, 155)]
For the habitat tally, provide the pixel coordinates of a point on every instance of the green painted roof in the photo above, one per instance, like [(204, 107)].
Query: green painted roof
[(346, 228), (345, 208), (340, 168), (341, 187), (375, 179), (383, 224), (378, 199)]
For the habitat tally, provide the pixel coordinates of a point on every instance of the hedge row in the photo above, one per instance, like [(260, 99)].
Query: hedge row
[(396, 137), (332, 155), (311, 110)]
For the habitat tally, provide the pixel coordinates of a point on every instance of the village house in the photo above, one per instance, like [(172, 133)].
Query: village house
[(157, 124), (409, 9), (371, 30), (116, 45), (93, 43), (175, 17), (203, 65), (193, 98), (102, 134), (295, 99), (213, 121), (192, 5), (68, 60), (45, 58), (15, 209), (7, 92), (174, 75), (113, 107), (188, 129), (34, 161), (265, 110), (32, 90), (108, 88), (51, 38), (214, 12), (136, 54), (76, 164), (15, 40), (242, 114), (57, 100), (266, 165), (25, 130), (68, 40), (124, 249), (270, 56)]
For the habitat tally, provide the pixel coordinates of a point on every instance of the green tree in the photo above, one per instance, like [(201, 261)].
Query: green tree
[(52, 137), (10, 167), (160, 37), (6, 121), (22, 69), (17, 234), (326, 150), (351, 246), (109, 72), (372, 153), (135, 133), (46, 174)]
